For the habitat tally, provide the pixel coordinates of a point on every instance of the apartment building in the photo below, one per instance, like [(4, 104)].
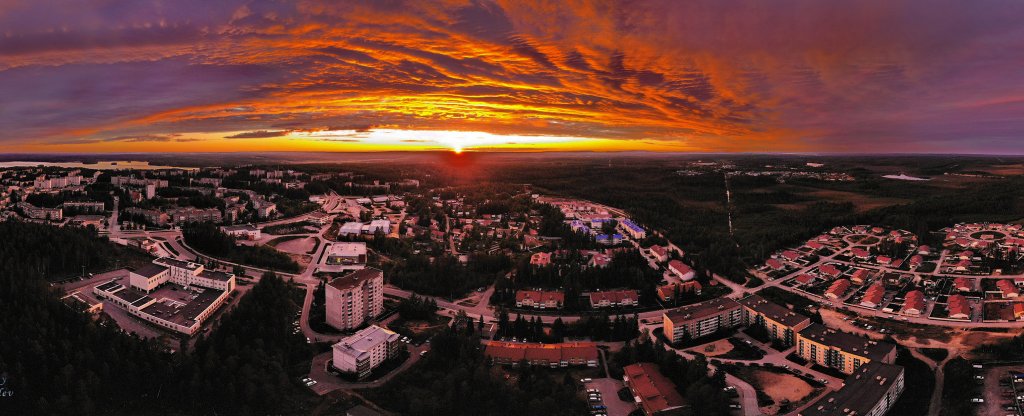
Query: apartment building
[(41, 213), (84, 206), (845, 352), (871, 391), (354, 299), (44, 183), (702, 319), (151, 216), (365, 350), (191, 214), (781, 323)]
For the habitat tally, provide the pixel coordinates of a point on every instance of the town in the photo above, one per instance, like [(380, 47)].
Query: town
[(383, 267)]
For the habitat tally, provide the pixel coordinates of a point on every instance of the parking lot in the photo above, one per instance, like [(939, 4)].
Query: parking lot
[(609, 393), (1003, 385)]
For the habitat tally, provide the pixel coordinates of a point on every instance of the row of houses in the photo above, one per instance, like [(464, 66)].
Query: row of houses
[(545, 355), (551, 299)]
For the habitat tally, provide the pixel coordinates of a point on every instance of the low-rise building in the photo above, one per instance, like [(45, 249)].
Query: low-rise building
[(913, 303), (379, 226), (659, 253), (681, 270), (701, 319), (667, 293), (365, 350), (540, 259), (838, 289), (546, 355), (958, 307), (613, 298), (871, 391), (845, 352), (654, 393), (539, 299), (243, 232), (152, 216), (780, 323), (347, 256), (635, 231)]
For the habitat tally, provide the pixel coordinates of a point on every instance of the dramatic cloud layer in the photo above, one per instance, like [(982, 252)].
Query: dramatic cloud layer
[(707, 75)]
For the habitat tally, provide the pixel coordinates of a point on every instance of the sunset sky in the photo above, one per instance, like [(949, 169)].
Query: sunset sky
[(712, 76)]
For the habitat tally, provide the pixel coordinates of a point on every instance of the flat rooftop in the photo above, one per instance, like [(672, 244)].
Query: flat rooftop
[(180, 306), (150, 270), (849, 343), (365, 340), (774, 311), (861, 392), (347, 249), (215, 275), (169, 262), (702, 310)]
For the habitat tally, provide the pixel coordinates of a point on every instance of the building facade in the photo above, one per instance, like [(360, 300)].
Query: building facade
[(702, 319), (365, 350), (355, 299)]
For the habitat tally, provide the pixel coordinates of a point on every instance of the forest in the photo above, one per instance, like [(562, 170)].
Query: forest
[(453, 379), (445, 276), (62, 361), (210, 240)]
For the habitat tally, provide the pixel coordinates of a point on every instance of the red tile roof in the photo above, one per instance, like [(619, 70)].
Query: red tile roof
[(656, 392), (914, 302), (612, 296), (540, 296), (957, 305), (838, 288)]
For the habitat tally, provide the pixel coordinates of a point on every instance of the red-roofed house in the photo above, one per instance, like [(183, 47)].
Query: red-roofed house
[(804, 279), (873, 297), (540, 259), (963, 284), (1007, 287), (837, 289), (883, 260), (860, 276), (916, 261), (613, 298), (814, 245), (958, 307), (791, 255), (681, 270), (654, 392), (600, 260), (924, 250), (963, 266), (860, 253), (539, 299), (913, 303), (660, 253), (668, 292), (775, 264), (1018, 310), (548, 355), (830, 270)]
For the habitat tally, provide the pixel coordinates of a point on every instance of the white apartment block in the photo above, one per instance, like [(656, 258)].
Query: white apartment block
[(365, 350), (355, 299)]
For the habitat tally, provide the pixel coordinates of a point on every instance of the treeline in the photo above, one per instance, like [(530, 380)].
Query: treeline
[(703, 393), (246, 366), (60, 361), (417, 308), (445, 275), (67, 251), (627, 270), (597, 328), (453, 379), (210, 240)]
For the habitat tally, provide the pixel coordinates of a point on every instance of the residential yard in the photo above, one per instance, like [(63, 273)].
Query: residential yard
[(714, 349)]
